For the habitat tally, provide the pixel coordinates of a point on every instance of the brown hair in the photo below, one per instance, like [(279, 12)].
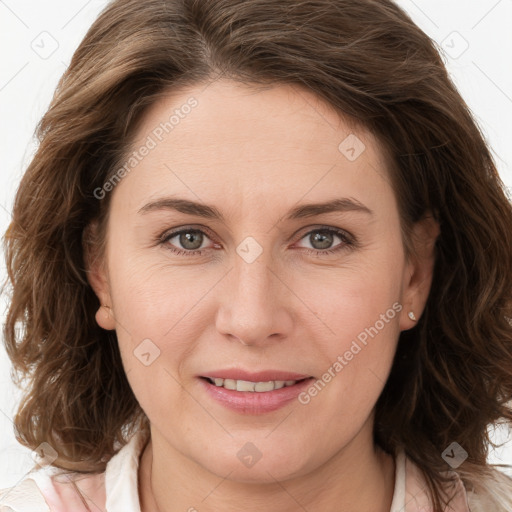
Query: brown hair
[(452, 374)]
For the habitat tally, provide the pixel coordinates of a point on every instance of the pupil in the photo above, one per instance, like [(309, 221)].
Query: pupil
[(189, 240), (324, 237)]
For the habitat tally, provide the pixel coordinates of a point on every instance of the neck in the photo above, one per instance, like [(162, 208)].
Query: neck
[(359, 478)]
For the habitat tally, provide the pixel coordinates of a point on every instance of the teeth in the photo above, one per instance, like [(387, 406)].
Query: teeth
[(230, 384), (245, 385), (264, 386)]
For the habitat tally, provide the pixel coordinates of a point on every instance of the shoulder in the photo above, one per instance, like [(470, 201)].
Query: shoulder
[(468, 493), (23, 497), (417, 496), (47, 490), (491, 490)]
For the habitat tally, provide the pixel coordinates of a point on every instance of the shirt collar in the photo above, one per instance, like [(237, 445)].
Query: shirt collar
[(121, 476)]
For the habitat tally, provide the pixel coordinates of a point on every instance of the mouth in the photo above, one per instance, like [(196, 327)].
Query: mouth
[(251, 386), (254, 393)]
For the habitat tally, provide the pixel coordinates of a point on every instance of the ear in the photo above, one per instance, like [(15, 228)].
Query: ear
[(419, 270), (97, 275)]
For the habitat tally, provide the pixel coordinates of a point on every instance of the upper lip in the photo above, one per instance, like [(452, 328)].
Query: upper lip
[(261, 376)]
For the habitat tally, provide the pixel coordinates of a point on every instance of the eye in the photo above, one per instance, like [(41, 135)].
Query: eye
[(322, 239), (190, 240)]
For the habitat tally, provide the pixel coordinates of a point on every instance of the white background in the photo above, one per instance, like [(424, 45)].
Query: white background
[(38, 39)]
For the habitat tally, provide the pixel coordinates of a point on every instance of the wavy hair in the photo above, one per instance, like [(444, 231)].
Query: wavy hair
[(452, 374)]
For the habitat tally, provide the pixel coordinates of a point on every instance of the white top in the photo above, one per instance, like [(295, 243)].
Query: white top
[(116, 490)]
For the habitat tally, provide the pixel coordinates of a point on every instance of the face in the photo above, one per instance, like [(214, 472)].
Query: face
[(253, 284)]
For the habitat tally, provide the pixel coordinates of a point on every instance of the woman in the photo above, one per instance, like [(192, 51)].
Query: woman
[(263, 260)]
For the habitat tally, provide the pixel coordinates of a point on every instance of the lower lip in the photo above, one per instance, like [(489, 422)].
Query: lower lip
[(249, 402)]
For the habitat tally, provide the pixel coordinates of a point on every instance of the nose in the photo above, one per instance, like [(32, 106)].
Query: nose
[(255, 303)]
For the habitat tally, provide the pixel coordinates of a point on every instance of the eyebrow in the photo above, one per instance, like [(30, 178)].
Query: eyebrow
[(299, 212)]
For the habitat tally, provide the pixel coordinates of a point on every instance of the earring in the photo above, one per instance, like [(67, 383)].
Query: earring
[(411, 316)]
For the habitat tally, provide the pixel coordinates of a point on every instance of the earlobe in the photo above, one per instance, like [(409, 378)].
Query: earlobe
[(97, 276), (105, 318), (419, 271)]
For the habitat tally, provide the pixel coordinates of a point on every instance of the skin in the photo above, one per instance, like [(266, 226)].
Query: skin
[(254, 155)]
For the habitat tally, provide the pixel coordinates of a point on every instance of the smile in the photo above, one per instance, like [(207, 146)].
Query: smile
[(265, 392), (254, 387)]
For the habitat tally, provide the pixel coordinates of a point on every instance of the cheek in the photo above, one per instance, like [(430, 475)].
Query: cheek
[(161, 318), (153, 298), (153, 308), (355, 335), (352, 303)]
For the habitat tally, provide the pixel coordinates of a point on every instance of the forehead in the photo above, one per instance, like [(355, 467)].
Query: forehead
[(274, 142)]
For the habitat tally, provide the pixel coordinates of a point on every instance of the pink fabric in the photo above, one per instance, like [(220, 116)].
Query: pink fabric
[(62, 496), (416, 496)]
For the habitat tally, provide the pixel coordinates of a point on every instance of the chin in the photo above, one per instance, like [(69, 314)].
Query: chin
[(248, 464)]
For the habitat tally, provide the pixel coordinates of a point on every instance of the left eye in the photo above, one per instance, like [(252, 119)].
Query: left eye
[(322, 239)]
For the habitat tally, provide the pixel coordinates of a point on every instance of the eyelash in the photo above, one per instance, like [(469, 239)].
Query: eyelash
[(348, 241)]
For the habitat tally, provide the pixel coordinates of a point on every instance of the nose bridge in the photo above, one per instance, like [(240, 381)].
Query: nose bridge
[(252, 272), (252, 285), (252, 281), (253, 307)]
